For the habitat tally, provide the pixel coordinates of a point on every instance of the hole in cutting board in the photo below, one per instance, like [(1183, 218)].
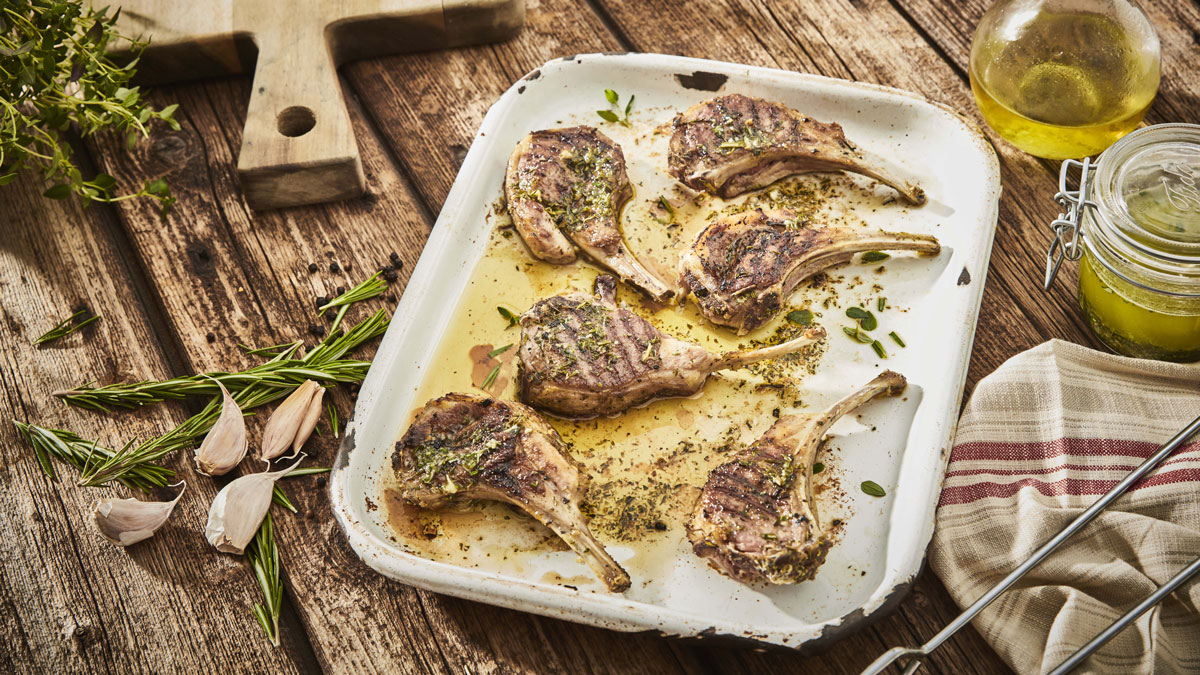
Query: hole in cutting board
[(295, 121)]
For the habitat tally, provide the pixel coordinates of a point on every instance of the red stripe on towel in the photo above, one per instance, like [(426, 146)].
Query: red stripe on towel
[(965, 494), (1039, 452), (1060, 467)]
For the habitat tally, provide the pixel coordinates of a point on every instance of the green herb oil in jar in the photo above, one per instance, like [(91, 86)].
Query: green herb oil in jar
[(1139, 276)]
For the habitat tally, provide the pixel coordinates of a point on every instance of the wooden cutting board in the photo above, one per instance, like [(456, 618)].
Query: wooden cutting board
[(298, 146)]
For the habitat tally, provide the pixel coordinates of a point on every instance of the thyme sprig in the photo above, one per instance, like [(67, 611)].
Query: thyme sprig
[(509, 316), (264, 560), (365, 291), (614, 100), (67, 326), (56, 77)]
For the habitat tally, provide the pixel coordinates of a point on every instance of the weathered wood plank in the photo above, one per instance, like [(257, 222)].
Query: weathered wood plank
[(429, 106), (72, 602), (246, 279)]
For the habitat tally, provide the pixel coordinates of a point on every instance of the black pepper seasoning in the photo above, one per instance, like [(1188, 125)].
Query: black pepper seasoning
[(333, 267)]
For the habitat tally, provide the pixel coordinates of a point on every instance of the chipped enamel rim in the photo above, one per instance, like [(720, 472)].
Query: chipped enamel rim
[(441, 275)]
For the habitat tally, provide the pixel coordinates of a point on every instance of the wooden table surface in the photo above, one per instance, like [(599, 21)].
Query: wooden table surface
[(178, 295)]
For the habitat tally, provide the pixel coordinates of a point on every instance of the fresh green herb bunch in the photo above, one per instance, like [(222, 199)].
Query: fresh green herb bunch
[(56, 77)]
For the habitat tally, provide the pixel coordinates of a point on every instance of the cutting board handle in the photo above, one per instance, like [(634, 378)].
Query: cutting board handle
[(298, 145)]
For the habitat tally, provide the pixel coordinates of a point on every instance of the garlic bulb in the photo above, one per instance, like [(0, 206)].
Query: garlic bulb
[(225, 444), (293, 421), (128, 521), (239, 508)]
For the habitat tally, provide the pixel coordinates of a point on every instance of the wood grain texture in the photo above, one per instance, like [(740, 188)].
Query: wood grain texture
[(253, 285), (72, 602), (215, 267), (298, 147)]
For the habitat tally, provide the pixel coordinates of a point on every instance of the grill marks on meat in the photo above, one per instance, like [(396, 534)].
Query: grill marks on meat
[(742, 268), (582, 356), (756, 519), (734, 144), (565, 189), (463, 447)]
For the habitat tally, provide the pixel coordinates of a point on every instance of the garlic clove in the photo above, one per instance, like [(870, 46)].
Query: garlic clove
[(310, 420), (224, 445), (280, 431), (128, 521), (239, 508)]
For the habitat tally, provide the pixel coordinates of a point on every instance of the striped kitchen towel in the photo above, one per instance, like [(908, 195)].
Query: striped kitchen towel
[(1041, 438)]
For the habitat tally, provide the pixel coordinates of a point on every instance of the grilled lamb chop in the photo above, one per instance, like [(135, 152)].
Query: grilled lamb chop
[(463, 447), (565, 188), (583, 356), (734, 144), (756, 519), (743, 267)]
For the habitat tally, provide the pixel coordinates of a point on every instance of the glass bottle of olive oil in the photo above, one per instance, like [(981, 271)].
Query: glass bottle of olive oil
[(1064, 79)]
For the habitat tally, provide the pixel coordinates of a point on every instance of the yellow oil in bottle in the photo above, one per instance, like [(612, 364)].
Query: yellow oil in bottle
[(1063, 85)]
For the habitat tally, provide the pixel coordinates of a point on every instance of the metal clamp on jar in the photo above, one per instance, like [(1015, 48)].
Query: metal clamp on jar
[(1134, 225)]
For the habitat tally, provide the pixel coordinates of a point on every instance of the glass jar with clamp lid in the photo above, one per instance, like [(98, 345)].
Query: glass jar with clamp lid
[(1134, 226)]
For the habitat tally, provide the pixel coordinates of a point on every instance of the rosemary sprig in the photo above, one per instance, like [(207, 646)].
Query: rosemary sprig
[(879, 350), (264, 560), (280, 497), (499, 350), (250, 388), (272, 379), (365, 291), (307, 471), (491, 378), (274, 351), (89, 456), (333, 419), (66, 327)]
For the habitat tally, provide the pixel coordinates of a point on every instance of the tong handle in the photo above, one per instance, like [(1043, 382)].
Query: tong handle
[(1038, 556)]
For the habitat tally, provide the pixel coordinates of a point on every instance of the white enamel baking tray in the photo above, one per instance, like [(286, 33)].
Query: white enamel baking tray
[(901, 444)]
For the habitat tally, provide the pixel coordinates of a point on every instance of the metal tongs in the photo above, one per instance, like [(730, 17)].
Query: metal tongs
[(918, 653)]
